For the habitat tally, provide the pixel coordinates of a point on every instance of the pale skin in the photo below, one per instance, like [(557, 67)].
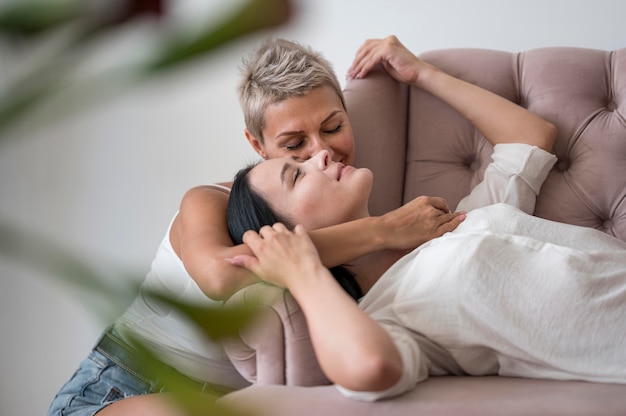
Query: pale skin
[(353, 350), (299, 127)]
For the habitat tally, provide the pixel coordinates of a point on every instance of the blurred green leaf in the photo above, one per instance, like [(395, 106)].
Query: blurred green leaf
[(52, 77), (33, 17), (47, 256), (183, 390), (217, 323), (25, 97), (255, 15), (38, 252), (30, 17), (46, 81), (44, 255)]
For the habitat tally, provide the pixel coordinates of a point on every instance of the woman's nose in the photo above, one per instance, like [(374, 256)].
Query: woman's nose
[(319, 145), (321, 159)]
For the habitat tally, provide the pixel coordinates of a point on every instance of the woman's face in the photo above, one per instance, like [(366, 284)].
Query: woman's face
[(315, 193), (300, 127)]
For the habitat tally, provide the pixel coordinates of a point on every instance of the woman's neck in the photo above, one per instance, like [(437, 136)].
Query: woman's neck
[(367, 269)]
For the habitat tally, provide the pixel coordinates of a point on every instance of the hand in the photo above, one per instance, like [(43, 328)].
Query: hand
[(399, 62), (280, 255), (419, 221)]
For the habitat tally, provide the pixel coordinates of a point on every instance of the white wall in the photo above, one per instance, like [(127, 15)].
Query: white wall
[(106, 182)]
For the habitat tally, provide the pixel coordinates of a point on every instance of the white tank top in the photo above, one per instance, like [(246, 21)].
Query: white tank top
[(168, 333)]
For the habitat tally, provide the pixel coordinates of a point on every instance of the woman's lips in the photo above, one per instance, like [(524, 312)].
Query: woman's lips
[(340, 168)]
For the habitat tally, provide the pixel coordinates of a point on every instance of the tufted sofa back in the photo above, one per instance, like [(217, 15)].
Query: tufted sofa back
[(416, 145)]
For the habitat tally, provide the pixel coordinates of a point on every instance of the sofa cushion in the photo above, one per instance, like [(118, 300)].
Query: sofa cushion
[(434, 151), (442, 396)]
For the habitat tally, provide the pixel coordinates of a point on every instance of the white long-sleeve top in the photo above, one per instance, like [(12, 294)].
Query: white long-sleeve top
[(506, 293)]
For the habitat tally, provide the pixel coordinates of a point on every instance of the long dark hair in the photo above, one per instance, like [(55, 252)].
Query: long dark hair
[(247, 210)]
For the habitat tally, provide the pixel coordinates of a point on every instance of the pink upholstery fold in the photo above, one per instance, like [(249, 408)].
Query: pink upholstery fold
[(275, 348)]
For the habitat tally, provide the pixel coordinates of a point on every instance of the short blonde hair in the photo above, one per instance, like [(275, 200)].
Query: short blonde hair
[(277, 70)]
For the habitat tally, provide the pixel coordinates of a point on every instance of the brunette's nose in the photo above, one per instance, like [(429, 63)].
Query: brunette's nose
[(322, 159)]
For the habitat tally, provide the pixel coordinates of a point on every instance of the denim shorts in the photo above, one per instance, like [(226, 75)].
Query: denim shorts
[(111, 372), (97, 383)]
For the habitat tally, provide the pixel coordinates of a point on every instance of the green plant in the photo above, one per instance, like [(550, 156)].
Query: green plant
[(82, 23), (79, 24)]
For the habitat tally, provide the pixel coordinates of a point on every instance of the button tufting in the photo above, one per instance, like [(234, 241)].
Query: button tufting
[(562, 165), (471, 163), (611, 106)]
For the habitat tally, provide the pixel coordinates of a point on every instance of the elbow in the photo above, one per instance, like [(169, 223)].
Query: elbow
[(217, 291), (384, 374), (376, 373), (215, 282)]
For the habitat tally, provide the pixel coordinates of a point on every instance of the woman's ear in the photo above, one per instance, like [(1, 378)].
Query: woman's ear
[(256, 144)]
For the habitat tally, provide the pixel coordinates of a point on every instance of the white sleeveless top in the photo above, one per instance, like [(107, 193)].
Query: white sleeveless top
[(170, 334)]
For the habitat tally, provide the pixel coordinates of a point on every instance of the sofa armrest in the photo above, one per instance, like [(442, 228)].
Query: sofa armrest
[(377, 106), (275, 348)]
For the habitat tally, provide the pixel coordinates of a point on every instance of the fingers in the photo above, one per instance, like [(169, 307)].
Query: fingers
[(371, 53), (440, 204), (243, 260), (265, 232), (258, 241), (299, 230), (255, 240), (278, 254), (280, 227), (449, 222), (362, 61)]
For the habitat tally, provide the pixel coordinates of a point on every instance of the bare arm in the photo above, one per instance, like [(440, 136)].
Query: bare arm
[(200, 237), (498, 119), (407, 227), (353, 350)]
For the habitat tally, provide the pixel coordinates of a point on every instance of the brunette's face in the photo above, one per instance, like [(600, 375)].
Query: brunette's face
[(315, 193), (300, 127)]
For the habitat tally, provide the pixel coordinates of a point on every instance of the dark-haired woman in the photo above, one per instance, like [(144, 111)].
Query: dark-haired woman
[(504, 293)]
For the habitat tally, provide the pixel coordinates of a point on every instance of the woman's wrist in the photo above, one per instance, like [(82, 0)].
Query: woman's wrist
[(382, 232), (427, 76), (345, 242)]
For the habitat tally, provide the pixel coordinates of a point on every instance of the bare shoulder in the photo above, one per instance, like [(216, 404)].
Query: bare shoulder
[(203, 194), (203, 205), (201, 217)]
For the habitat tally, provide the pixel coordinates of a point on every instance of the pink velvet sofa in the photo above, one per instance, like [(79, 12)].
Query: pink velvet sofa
[(416, 145)]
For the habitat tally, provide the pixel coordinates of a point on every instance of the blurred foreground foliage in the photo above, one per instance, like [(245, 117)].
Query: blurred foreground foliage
[(83, 23), (78, 25)]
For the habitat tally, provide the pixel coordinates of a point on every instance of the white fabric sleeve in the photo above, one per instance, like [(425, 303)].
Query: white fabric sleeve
[(414, 368), (513, 177)]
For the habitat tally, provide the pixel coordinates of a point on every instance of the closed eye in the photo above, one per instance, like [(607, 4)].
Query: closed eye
[(296, 175), (294, 146), (335, 130)]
